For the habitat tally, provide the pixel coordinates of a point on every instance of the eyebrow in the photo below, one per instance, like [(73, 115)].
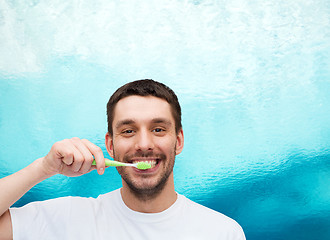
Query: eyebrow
[(132, 121), (124, 122), (162, 120)]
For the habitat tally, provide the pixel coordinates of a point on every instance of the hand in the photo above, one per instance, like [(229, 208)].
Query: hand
[(73, 157)]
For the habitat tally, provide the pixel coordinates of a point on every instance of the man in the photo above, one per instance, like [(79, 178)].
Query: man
[(144, 124)]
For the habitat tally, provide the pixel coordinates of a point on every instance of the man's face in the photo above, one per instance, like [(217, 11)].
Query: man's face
[(144, 130)]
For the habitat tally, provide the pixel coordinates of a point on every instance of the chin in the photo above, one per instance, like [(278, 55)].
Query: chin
[(147, 188)]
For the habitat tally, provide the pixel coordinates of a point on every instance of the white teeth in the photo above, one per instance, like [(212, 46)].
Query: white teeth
[(151, 162)]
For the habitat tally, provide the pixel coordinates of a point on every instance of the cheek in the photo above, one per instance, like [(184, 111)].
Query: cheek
[(166, 145), (120, 148)]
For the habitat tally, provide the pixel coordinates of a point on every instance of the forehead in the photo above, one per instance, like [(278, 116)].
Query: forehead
[(142, 108)]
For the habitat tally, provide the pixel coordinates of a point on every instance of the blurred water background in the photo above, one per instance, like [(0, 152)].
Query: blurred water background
[(253, 78)]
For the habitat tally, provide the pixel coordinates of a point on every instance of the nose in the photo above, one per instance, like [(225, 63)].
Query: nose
[(144, 141)]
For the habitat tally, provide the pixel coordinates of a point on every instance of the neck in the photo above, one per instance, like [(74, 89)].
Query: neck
[(157, 203)]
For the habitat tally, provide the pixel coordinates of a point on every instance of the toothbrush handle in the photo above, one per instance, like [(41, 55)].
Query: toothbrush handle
[(111, 163)]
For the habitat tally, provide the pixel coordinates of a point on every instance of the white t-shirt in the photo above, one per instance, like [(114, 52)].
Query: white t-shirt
[(107, 217)]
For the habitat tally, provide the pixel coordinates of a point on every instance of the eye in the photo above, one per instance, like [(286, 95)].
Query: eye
[(127, 132), (159, 131)]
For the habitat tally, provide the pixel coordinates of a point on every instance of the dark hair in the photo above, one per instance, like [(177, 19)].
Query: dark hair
[(145, 87)]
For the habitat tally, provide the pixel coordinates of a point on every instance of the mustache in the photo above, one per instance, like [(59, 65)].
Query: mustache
[(128, 158)]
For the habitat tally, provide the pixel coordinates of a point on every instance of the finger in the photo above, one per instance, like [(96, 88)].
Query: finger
[(78, 159), (71, 155), (98, 154), (87, 155), (64, 152)]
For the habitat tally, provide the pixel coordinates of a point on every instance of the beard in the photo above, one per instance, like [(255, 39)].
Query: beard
[(143, 187)]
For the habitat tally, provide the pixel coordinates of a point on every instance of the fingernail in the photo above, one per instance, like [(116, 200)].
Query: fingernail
[(101, 171)]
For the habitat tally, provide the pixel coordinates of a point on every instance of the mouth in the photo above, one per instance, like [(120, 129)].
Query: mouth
[(153, 162)]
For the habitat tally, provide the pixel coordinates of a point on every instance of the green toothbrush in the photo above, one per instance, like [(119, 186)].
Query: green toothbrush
[(139, 165)]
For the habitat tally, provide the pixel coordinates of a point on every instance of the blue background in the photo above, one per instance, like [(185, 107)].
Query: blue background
[(253, 79)]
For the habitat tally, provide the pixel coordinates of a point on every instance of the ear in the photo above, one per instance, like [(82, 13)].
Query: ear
[(179, 142), (109, 144)]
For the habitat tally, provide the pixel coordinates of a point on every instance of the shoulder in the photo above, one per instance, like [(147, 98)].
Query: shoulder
[(109, 196), (63, 203), (211, 220), (197, 209)]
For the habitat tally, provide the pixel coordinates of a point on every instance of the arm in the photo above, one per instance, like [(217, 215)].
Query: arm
[(70, 157)]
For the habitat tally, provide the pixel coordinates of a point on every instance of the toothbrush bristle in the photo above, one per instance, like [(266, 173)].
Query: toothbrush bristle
[(143, 165)]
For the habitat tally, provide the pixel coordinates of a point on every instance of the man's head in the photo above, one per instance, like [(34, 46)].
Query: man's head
[(145, 125), (145, 87)]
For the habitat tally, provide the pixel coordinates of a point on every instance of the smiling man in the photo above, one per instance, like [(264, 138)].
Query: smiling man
[(144, 124)]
